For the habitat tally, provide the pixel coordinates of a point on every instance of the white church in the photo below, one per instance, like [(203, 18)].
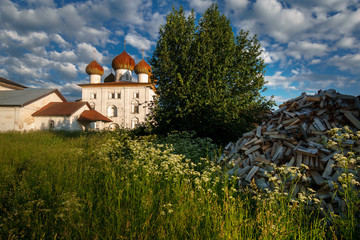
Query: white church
[(123, 99), (118, 101)]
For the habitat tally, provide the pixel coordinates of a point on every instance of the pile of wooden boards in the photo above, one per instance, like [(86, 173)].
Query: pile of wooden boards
[(296, 134)]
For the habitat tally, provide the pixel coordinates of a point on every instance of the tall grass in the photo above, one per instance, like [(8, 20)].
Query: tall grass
[(57, 185)]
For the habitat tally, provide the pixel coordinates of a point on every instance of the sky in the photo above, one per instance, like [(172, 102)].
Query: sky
[(307, 45)]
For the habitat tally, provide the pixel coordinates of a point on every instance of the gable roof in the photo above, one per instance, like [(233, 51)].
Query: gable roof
[(93, 116), (60, 109), (10, 84), (26, 96)]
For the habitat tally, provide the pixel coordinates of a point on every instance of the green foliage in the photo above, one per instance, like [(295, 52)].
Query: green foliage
[(209, 80), (120, 186), (348, 163)]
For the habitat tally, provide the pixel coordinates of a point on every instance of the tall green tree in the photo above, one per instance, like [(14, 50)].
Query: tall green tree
[(209, 80)]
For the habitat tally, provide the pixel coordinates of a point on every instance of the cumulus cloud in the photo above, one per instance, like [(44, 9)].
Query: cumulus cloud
[(279, 81), (138, 41), (349, 62), (200, 5), (277, 21), (304, 49)]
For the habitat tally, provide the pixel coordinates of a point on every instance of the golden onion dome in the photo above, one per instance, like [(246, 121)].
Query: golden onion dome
[(110, 78), (123, 61), (143, 67), (94, 68)]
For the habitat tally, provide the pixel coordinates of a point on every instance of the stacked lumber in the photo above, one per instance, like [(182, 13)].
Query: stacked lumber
[(295, 135)]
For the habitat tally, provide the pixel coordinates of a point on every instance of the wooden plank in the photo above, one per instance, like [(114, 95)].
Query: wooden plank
[(290, 114), (329, 156), (357, 102), (251, 141), (352, 119), (270, 132), (262, 160), (277, 154), (252, 149), (321, 111), (306, 160), (295, 122), (258, 131), (291, 162), (278, 136), (242, 171), (328, 169), (321, 127), (307, 151), (317, 177), (288, 144), (288, 121), (291, 127), (298, 159), (249, 134), (251, 173), (313, 98)]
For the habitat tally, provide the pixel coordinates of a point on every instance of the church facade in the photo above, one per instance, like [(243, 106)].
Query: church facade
[(120, 97)]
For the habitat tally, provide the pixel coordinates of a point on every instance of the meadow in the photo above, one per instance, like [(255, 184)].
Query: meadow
[(61, 185)]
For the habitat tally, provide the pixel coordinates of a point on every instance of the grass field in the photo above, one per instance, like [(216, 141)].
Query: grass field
[(59, 185)]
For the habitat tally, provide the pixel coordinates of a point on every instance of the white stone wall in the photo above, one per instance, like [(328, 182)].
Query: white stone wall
[(19, 118), (68, 123), (123, 104)]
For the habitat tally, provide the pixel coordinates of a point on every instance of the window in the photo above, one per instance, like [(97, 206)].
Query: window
[(134, 122), (136, 94), (118, 95), (51, 124), (111, 95), (112, 111), (135, 107), (93, 95)]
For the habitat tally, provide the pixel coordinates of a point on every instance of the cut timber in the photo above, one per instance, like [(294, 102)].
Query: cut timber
[(313, 98), (298, 159), (258, 131), (317, 177), (252, 149), (242, 171), (262, 160), (352, 119), (251, 173), (308, 151), (328, 169)]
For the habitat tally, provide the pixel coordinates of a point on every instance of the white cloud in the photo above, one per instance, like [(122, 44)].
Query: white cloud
[(200, 5), (279, 22), (3, 73), (279, 81), (235, 6), (138, 41), (307, 50), (348, 42), (65, 56), (349, 62)]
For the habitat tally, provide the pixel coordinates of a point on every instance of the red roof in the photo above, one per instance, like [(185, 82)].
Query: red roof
[(93, 116), (60, 109)]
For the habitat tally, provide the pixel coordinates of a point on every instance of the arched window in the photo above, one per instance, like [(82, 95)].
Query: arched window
[(112, 111), (92, 105), (135, 107), (134, 122)]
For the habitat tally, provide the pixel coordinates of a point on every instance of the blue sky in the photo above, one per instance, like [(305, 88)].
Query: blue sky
[(308, 45)]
